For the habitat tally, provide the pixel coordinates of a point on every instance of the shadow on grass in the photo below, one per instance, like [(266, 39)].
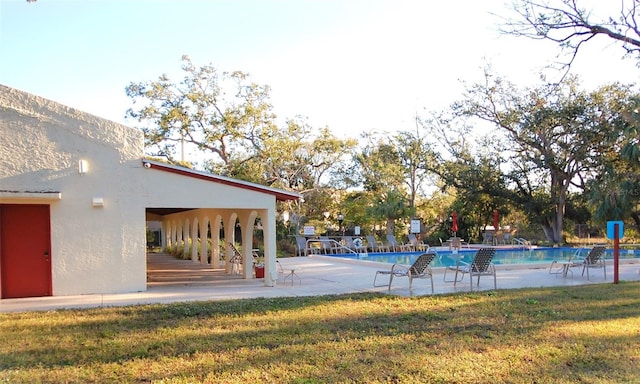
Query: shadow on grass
[(329, 336)]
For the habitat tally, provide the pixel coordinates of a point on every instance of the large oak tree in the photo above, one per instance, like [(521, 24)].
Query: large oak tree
[(560, 135)]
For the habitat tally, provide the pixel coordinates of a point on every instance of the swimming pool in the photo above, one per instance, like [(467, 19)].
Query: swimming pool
[(512, 256)]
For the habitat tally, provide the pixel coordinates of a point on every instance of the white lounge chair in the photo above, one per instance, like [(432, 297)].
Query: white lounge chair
[(481, 265), (418, 270)]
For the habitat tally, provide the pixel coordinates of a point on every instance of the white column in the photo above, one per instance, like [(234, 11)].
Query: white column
[(204, 229), (194, 239), (229, 237), (185, 235), (215, 241), (164, 235), (246, 224), (269, 231)]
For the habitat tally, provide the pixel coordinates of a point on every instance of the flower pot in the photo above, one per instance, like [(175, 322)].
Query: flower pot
[(259, 270)]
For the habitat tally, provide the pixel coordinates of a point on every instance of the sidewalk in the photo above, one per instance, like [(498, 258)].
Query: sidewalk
[(172, 280)]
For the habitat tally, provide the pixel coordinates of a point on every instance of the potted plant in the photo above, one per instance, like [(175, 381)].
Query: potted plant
[(258, 266)]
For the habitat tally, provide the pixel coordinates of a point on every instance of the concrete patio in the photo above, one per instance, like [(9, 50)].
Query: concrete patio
[(171, 280)]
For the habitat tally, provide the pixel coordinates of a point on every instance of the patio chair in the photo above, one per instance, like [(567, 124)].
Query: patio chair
[(236, 259), (418, 270), (354, 244), (301, 246), (417, 245), (594, 259), (480, 266), (455, 243), (393, 244), (374, 246), (327, 245), (287, 273)]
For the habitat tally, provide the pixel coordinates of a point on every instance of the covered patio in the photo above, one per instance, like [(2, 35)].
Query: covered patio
[(205, 215)]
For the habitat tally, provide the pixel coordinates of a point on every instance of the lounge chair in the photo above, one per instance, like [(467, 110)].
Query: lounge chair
[(418, 270), (327, 245), (374, 246), (236, 259), (354, 244), (301, 246), (395, 246), (455, 243), (480, 266), (594, 259), (417, 245)]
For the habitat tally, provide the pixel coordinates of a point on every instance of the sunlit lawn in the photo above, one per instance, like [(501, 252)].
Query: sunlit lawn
[(588, 334)]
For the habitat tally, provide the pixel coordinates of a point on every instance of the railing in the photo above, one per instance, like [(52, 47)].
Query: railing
[(526, 245), (335, 245)]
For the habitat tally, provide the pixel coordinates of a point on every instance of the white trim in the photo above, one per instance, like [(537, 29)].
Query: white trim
[(29, 197)]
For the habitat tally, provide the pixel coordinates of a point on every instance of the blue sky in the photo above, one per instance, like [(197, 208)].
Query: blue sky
[(351, 65)]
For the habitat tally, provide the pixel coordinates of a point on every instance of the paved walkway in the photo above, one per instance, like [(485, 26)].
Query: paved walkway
[(171, 280)]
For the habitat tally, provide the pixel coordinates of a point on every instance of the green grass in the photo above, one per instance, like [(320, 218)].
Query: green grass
[(588, 334)]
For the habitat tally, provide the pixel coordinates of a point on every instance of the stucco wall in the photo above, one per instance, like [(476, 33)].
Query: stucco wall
[(93, 249), (164, 189)]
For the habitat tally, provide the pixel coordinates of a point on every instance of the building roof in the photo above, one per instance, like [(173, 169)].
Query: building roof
[(281, 195)]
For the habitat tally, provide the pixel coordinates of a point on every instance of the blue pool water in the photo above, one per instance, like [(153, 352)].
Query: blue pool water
[(503, 256)]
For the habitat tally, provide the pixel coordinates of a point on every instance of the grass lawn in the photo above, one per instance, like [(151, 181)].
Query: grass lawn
[(588, 334)]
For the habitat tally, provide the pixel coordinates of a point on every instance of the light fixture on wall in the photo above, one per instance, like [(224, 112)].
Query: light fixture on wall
[(83, 167), (98, 202)]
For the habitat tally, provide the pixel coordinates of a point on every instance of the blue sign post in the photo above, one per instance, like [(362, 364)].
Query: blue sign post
[(615, 231)]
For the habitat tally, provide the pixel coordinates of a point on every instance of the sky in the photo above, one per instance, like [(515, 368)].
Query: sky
[(350, 65)]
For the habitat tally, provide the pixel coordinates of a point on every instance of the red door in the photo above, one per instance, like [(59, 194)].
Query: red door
[(25, 250)]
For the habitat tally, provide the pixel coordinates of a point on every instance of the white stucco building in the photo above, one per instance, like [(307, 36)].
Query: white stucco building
[(76, 193)]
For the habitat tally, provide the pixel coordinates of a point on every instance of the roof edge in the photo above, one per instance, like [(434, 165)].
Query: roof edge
[(280, 194)]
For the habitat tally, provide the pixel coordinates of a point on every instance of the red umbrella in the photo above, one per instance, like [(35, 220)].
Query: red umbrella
[(454, 223), (496, 222)]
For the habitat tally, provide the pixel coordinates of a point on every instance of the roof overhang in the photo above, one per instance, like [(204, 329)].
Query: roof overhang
[(29, 196), (281, 195)]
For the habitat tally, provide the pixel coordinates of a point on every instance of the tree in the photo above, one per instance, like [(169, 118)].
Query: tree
[(570, 25), (378, 170), (558, 134), (296, 158), (473, 174), (199, 111), (391, 206), (615, 192), (378, 167), (567, 23), (417, 158)]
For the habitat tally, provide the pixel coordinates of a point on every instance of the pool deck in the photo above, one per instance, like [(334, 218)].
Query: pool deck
[(171, 280)]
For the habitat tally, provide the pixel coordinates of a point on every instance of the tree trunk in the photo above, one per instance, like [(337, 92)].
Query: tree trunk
[(391, 226), (548, 232)]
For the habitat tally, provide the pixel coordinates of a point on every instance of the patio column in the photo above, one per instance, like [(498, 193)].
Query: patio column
[(204, 229), (194, 238), (185, 235), (215, 241), (164, 232), (229, 237), (269, 232), (247, 223)]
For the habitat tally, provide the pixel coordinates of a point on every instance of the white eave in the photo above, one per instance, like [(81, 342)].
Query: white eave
[(29, 196), (280, 194)]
